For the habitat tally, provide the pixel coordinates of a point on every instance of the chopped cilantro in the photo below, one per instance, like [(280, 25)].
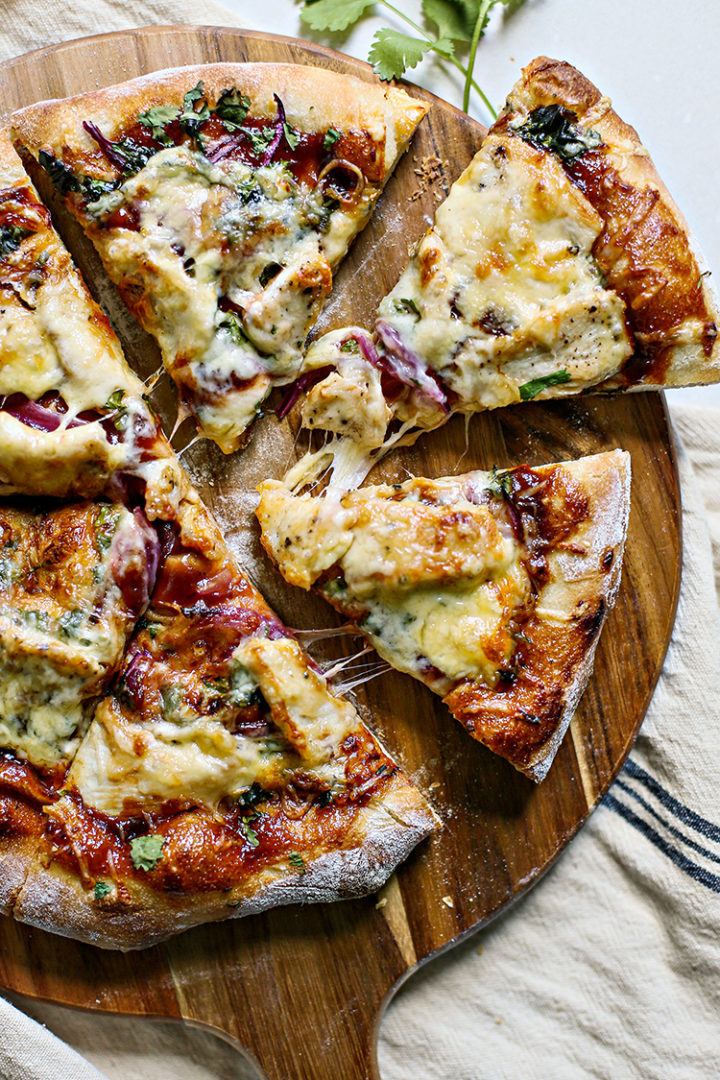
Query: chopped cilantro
[(350, 346), (157, 119), (232, 108), (248, 832), (69, 623), (252, 795), (531, 389), (135, 157), (62, 177), (233, 325), (292, 137), (35, 620), (406, 306), (102, 889), (172, 697), (269, 272), (296, 861), (191, 117), (555, 128), (500, 483), (260, 138), (331, 137), (146, 851), (11, 237)]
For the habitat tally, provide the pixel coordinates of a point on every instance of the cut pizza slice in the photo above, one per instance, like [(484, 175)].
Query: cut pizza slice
[(491, 588), (559, 264), (72, 415), (222, 775), (74, 579), (221, 199)]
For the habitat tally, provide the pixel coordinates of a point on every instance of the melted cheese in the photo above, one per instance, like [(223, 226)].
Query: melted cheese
[(54, 338), (209, 232), (192, 756), (435, 579), (506, 284), (62, 634)]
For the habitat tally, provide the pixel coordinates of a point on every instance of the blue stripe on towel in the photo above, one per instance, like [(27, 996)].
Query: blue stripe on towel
[(663, 821), (699, 873), (687, 816)]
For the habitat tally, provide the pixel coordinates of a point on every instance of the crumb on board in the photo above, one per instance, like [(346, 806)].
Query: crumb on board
[(430, 171), (381, 903), (448, 901)]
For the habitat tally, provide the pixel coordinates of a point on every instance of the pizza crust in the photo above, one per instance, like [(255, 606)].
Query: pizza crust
[(382, 836), (569, 615), (663, 245), (314, 99)]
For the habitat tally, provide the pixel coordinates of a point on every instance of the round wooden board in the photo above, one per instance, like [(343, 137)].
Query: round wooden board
[(303, 988)]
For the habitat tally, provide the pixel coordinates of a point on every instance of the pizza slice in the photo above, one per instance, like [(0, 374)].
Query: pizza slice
[(559, 264), (220, 776), (221, 199), (74, 579), (73, 418), (491, 588)]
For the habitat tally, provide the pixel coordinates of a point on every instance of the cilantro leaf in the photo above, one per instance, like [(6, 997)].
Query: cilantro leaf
[(232, 108), (555, 128), (453, 18), (406, 306), (260, 138), (248, 832), (292, 138), (191, 118), (234, 327), (157, 119), (499, 483), (61, 175), (11, 237), (146, 851), (392, 53), (296, 861), (331, 137), (531, 389), (102, 889), (334, 15)]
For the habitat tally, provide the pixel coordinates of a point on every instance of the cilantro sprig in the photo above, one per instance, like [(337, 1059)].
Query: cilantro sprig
[(450, 27)]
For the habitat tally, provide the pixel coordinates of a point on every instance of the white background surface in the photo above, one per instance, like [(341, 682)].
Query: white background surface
[(656, 59)]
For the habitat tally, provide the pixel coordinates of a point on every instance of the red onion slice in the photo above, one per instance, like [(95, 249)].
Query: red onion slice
[(270, 152), (105, 144), (38, 416), (303, 383), (406, 366)]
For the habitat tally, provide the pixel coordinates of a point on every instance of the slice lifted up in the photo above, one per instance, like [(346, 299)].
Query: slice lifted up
[(221, 200), (491, 588)]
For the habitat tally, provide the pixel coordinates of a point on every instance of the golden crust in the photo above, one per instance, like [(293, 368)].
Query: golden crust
[(314, 99), (646, 251), (526, 723), (382, 835)]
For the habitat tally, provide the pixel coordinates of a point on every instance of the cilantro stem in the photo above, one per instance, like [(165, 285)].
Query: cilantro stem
[(477, 34), (466, 71)]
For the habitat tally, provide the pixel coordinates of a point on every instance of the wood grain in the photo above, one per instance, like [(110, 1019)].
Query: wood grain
[(303, 988)]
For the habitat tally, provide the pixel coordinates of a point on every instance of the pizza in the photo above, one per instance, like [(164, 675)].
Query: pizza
[(72, 414), (491, 588), (218, 776), (169, 754), (558, 265), (221, 200)]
